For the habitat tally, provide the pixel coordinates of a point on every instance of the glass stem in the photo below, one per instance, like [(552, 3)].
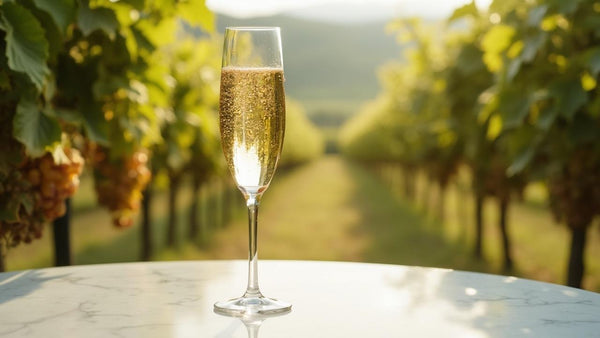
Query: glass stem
[(253, 330), (252, 290)]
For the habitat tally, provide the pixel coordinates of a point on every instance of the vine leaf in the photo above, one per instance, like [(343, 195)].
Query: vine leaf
[(102, 18), (137, 4), (566, 7), (593, 59), (570, 97), (522, 160), (514, 107), (466, 10), (547, 117), (532, 45), (536, 15), (96, 126), (26, 44), (33, 128), (196, 13), (61, 11)]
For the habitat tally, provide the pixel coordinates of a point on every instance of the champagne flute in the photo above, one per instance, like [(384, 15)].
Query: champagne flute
[(252, 123)]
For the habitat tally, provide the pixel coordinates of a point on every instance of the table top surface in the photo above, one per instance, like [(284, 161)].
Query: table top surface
[(329, 299)]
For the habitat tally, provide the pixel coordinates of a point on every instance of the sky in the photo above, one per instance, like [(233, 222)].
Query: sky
[(339, 10)]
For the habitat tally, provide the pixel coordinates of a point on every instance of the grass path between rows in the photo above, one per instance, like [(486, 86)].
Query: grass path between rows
[(333, 210)]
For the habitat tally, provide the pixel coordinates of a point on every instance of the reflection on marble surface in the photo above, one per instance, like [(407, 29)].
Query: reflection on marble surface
[(252, 322), (175, 299)]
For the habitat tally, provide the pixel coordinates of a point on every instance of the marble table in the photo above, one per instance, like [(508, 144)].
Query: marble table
[(330, 299)]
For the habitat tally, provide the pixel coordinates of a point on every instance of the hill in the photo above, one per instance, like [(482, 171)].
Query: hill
[(331, 68)]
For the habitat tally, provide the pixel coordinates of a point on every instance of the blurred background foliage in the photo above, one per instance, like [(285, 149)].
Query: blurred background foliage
[(451, 143)]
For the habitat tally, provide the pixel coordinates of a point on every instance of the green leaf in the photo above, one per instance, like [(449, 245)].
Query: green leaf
[(514, 107), (100, 18), (563, 6), (522, 160), (536, 15), (108, 84), (137, 4), (52, 33), (67, 115), (466, 10), (547, 117), (469, 59), (532, 45), (513, 69), (33, 128), (196, 13), (62, 11), (569, 96), (95, 125), (142, 40), (160, 33), (593, 60), (26, 45)]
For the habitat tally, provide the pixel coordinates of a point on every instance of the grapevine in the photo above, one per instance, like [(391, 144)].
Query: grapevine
[(514, 96)]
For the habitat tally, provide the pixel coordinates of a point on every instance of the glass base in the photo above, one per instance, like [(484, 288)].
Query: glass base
[(250, 305)]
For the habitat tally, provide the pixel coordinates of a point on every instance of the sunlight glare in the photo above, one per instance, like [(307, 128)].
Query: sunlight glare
[(470, 291), (246, 164)]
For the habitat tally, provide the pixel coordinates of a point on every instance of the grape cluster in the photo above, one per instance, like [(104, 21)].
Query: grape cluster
[(36, 190), (53, 183), (119, 183), (18, 224)]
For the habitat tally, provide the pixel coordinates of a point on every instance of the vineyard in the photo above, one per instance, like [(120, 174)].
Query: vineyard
[(122, 97), (509, 93), (119, 89)]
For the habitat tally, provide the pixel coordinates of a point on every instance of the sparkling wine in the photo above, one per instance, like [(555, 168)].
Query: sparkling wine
[(252, 121)]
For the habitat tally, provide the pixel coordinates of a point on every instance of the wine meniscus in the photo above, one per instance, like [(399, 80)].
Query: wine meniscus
[(252, 123)]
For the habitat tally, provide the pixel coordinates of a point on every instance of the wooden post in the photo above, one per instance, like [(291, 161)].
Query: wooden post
[(146, 226), (479, 198), (62, 240), (503, 203), (2, 256), (576, 257), (172, 233)]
